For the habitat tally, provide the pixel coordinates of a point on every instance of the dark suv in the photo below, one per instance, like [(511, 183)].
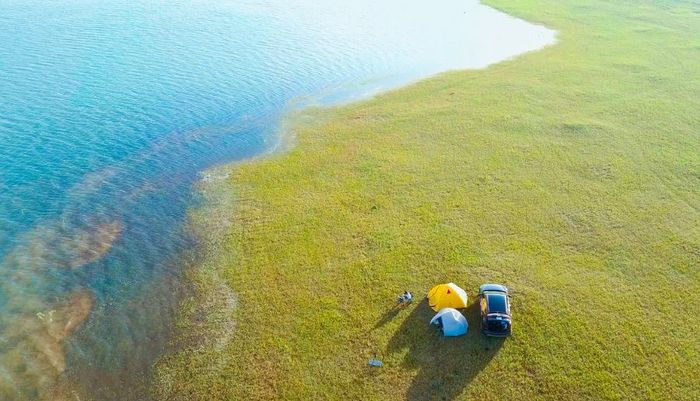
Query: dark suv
[(494, 302)]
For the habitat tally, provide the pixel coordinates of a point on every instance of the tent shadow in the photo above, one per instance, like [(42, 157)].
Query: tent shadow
[(446, 365)]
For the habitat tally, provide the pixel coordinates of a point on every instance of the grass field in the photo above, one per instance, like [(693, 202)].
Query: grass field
[(571, 174)]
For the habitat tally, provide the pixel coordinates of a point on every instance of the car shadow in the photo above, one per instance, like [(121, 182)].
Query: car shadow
[(446, 365)]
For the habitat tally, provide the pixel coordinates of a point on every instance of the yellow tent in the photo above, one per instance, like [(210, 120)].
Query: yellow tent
[(447, 296)]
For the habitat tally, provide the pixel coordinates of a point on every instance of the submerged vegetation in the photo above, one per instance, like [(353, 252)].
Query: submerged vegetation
[(571, 174)]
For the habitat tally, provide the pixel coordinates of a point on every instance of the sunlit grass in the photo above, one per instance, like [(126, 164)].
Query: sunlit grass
[(571, 174)]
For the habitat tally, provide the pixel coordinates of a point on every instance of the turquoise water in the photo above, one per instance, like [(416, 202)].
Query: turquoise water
[(110, 110)]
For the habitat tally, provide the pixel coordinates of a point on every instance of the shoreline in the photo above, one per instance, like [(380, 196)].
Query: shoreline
[(219, 201), (112, 230), (210, 295), (237, 193)]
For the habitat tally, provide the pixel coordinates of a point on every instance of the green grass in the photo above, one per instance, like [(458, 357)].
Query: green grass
[(571, 174)]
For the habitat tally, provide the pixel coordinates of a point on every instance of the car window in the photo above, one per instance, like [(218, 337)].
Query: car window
[(497, 303), (498, 326)]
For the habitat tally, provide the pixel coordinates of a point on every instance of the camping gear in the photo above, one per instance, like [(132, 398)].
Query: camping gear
[(375, 363), (451, 322), (405, 298), (447, 296)]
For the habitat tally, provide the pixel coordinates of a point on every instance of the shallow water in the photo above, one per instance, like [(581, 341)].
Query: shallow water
[(108, 112)]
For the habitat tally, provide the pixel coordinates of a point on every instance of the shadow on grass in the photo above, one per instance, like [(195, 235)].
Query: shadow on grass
[(446, 365), (389, 316)]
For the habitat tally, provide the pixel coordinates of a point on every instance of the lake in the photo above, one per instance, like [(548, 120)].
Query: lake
[(109, 112)]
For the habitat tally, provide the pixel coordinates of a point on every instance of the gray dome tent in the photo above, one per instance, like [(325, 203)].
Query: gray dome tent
[(451, 322)]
